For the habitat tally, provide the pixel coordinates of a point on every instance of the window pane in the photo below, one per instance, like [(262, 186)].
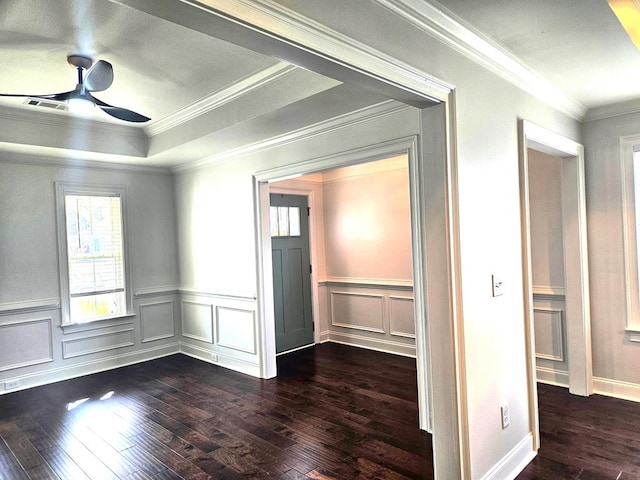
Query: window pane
[(95, 306), (283, 221), (95, 256), (273, 212), (294, 221)]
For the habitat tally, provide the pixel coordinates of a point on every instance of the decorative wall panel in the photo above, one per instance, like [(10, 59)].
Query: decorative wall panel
[(357, 310), (156, 321), (36, 333), (99, 342), (197, 321), (549, 334), (401, 317), (236, 329)]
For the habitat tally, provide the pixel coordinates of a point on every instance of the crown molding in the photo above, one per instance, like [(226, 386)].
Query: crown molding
[(279, 21), (65, 120), (220, 98), (435, 20), (365, 114), (54, 157), (613, 110)]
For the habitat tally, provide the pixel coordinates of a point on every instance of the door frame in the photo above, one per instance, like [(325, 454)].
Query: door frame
[(576, 268), (310, 194), (408, 146)]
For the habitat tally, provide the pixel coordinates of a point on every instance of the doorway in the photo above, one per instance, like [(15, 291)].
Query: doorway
[(575, 266), (291, 263)]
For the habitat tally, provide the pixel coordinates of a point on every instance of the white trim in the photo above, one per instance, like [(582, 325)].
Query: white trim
[(365, 114), (613, 110), (553, 376), (380, 283), (223, 294), (408, 146), (438, 22), (61, 189), (548, 290), (578, 320), (380, 329), (232, 363), (628, 145), (220, 98), (515, 461), (93, 366), (370, 343), (156, 291), (617, 389), (17, 308)]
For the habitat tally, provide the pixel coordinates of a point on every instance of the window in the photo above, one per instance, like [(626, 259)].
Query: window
[(630, 149), (285, 221), (92, 253)]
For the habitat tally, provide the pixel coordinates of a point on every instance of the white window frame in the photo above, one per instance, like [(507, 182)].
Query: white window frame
[(629, 149), (63, 189)]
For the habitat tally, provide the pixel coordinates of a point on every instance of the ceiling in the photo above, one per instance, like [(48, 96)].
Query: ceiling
[(206, 96)]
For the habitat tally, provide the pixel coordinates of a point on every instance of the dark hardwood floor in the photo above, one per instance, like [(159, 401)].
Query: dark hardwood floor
[(334, 412), (594, 438)]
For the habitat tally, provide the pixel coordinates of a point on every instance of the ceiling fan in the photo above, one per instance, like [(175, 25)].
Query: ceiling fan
[(99, 77)]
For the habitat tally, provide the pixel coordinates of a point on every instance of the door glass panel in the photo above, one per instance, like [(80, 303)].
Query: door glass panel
[(294, 221), (273, 212), (283, 222)]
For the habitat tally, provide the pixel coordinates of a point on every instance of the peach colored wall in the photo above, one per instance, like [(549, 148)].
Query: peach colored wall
[(367, 225), (545, 178)]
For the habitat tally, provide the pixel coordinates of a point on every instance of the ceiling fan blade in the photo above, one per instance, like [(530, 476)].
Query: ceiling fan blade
[(118, 112), (99, 77), (60, 97)]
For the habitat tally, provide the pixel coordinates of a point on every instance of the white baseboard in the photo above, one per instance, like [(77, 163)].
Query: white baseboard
[(377, 344), (216, 358), (94, 366), (552, 377), (617, 389), (514, 462)]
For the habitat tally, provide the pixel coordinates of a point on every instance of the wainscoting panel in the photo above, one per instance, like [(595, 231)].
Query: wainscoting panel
[(401, 317), (369, 313), (236, 329), (157, 321), (36, 333), (549, 334), (98, 342), (360, 311), (197, 321)]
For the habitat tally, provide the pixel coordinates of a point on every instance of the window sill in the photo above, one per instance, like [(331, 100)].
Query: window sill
[(97, 323)]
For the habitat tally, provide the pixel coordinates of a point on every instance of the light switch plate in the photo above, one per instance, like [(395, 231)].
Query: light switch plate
[(497, 285)]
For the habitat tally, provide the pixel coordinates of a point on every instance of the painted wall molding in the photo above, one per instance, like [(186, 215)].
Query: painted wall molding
[(437, 22), (225, 295), (17, 308), (617, 389), (548, 291), (79, 369), (220, 98), (156, 291), (370, 343), (377, 283), (552, 376), (325, 127)]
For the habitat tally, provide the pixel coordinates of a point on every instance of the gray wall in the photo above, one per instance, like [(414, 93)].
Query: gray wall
[(34, 348)]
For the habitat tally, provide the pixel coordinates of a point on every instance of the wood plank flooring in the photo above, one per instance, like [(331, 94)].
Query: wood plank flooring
[(334, 412)]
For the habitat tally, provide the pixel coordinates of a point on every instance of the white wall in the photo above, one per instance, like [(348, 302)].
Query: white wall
[(33, 348)]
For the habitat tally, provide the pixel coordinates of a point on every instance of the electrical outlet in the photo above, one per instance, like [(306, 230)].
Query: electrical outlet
[(11, 384), (497, 285), (506, 419)]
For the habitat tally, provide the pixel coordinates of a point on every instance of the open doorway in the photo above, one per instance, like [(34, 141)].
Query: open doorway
[(360, 239), (564, 321)]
